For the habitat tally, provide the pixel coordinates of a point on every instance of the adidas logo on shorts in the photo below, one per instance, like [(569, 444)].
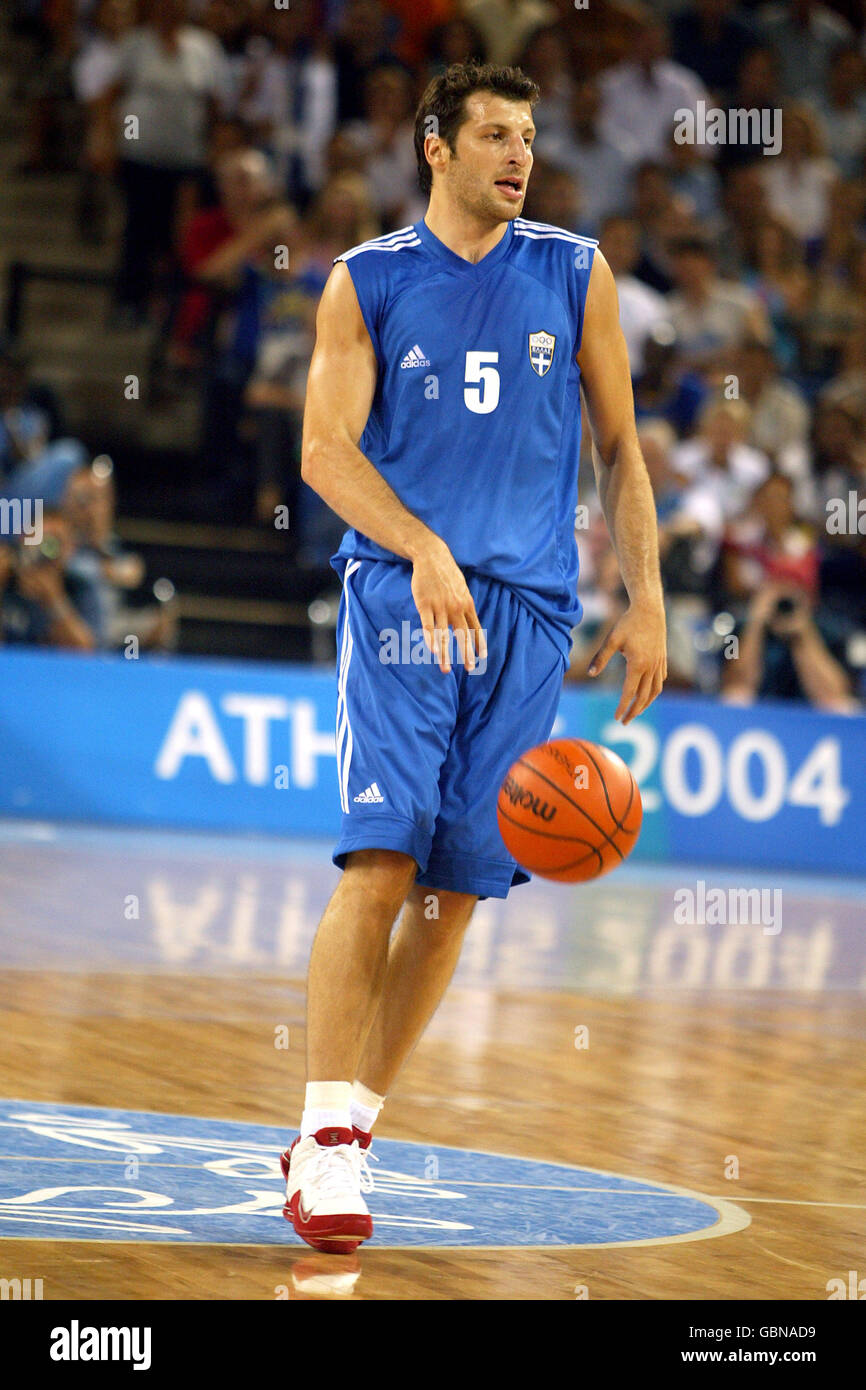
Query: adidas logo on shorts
[(370, 795)]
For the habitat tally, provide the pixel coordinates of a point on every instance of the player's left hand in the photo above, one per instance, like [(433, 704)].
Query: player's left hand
[(641, 636)]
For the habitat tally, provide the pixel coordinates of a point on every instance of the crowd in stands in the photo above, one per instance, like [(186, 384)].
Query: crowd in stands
[(740, 263), (65, 579)]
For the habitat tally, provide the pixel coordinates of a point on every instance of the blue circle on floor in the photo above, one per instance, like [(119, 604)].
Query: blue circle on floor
[(80, 1173)]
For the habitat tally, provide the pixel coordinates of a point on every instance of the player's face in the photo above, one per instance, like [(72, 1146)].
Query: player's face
[(490, 168)]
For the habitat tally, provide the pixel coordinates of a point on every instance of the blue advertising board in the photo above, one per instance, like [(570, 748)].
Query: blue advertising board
[(250, 747)]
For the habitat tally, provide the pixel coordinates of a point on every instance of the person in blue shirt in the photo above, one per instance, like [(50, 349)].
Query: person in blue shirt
[(442, 422)]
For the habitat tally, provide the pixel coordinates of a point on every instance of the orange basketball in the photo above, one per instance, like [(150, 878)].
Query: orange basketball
[(569, 810)]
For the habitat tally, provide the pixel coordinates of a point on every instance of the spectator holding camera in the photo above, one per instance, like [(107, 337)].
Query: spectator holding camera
[(39, 604), (783, 655)]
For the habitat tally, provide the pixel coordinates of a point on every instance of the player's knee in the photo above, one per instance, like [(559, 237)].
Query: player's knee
[(441, 913), (383, 876)]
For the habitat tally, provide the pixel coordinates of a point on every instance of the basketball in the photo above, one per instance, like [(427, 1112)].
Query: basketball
[(569, 810)]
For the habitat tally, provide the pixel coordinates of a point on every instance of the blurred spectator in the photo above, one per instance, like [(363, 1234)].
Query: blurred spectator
[(246, 187), (804, 35), (458, 41), (744, 213), (555, 197), (711, 316), (297, 100), (841, 111), (246, 265), (170, 77), (756, 89), (711, 40), (800, 178), (722, 470), (665, 389), (40, 603), (102, 572), (24, 425), (603, 33), (93, 72), (600, 165), (694, 180), (683, 553), (546, 60), (640, 97), (47, 86), (769, 544), (29, 449), (419, 20), (602, 596), (506, 25), (848, 388), (385, 140), (229, 21), (640, 308), (783, 655), (286, 303), (838, 458), (363, 43), (781, 282), (663, 218), (833, 311), (780, 415)]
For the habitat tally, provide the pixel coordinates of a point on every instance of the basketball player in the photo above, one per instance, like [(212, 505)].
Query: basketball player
[(443, 424)]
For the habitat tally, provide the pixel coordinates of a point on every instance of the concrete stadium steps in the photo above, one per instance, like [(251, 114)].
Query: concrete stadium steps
[(238, 594)]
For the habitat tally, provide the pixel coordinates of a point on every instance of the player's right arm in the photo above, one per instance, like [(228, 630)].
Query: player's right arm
[(340, 391)]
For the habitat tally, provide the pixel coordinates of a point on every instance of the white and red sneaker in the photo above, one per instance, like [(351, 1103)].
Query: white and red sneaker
[(323, 1191)]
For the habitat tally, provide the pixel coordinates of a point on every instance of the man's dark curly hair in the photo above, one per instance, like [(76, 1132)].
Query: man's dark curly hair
[(442, 109)]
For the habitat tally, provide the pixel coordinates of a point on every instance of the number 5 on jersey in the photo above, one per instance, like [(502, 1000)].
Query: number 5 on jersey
[(481, 391)]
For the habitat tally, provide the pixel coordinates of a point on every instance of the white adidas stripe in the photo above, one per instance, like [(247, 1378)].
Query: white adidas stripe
[(542, 231), (344, 724), (550, 227), (411, 238), (555, 236)]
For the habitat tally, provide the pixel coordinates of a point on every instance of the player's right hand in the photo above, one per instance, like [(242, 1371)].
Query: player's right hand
[(444, 604)]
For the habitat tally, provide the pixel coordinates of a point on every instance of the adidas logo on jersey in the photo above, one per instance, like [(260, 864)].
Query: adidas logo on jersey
[(370, 795), (414, 358)]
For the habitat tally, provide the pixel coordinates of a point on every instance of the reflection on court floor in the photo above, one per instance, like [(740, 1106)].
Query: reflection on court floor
[(82, 899)]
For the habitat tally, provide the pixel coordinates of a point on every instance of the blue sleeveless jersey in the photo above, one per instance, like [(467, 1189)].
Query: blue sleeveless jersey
[(475, 422)]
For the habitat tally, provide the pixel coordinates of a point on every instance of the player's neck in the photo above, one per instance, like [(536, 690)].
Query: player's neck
[(465, 235)]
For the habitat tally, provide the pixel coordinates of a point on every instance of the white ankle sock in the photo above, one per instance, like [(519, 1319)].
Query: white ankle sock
[(365, 1106), (327, 1105)]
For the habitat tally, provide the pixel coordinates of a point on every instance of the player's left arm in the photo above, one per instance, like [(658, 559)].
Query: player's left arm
[(626, 497)]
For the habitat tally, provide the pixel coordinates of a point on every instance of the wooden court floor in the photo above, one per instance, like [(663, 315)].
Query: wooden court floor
[(670, 1088)]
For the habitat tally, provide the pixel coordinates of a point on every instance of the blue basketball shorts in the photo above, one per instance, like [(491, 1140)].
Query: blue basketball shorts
[(421, 754)]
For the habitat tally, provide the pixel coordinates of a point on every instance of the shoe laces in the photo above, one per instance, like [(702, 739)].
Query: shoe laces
[(366, 1175), (335, 1170)]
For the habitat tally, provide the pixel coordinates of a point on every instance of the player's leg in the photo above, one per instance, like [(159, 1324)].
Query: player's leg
[(422, 958), (393, 729), (349, 960)]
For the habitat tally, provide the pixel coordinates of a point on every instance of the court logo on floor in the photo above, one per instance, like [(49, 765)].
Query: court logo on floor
[(76, 1173)]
